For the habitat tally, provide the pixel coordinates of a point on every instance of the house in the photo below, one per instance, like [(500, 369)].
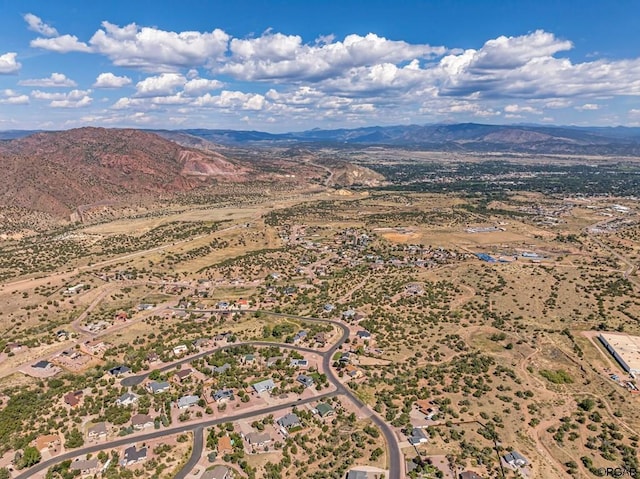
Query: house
[(222, 305), (418, 436), (357, 474), (49, 443), (144, 306), (289, 421), (201, 343), (133, 456), (97, 431), (249, 359), (45, 365), (223, 395), (345, 358), (85, 466), (153, 357), (127, 399), (181, 375), (273, 361), (224, 445), (348, 314), (427, 408), (243, 304), (158, 387), (187, 401), (353, 372), (74, 289), (363, 334), (324, 410), (94, 348), (299, 363), (299, 336), (306, 381), (320, 338), (221, 369), (262, 386), (328, 307), (141, 421), (73, 398), (290, 290), (469, 475), (259, 439), (62, 335), (180, 349), (121, 316), (218, 472), (119, 370), (515, 459)]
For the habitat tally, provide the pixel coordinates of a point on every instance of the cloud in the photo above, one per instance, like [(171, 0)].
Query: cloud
[(233, 100), (163, 84), (198, 86), (84, 101), (279, 57), (10, 97), (525, 67), (109, 80), (55, 80), (61, 44), (72, 95), (71, 99), (158, 50), (588, 107), (37, 25), (521, 109), (557, 103), (8, 63)]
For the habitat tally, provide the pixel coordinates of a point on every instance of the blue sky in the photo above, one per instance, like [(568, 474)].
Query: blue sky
[(292, 65)]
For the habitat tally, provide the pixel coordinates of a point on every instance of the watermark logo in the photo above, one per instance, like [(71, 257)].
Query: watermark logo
[(618, 472)]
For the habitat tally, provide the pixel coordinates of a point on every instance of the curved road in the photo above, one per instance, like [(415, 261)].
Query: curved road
[(165, 432), (393, 449), (196, 452)]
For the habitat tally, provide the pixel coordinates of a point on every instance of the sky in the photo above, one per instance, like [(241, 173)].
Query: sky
[(294, 65)]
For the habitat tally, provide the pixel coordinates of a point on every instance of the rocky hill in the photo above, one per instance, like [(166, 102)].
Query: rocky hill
[(56, 172)]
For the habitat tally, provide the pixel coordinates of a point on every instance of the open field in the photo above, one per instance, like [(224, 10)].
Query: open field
[(508, 343)]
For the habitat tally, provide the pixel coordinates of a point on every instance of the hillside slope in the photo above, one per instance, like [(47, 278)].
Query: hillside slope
[(56, 172)]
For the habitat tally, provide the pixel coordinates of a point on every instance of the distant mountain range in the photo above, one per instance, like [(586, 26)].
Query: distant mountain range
[(469, 137)]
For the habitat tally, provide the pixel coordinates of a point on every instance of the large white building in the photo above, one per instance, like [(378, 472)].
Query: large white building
[(625, 349)]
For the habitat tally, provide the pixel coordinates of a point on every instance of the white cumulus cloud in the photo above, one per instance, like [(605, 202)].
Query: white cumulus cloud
[(157, 50), (521, 109), (163, 84), (275, 56), (11, 97), (109, 80), (55, 80), (36, 24), (588, 107), (8, 63), (61, 44)]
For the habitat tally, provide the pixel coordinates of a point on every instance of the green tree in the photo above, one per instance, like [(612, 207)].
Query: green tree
[(30, 457), (73, 439)]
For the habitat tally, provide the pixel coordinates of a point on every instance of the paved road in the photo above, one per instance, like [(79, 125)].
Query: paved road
[(198, 446), (165, 432), (135, 380), (393, 448)]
